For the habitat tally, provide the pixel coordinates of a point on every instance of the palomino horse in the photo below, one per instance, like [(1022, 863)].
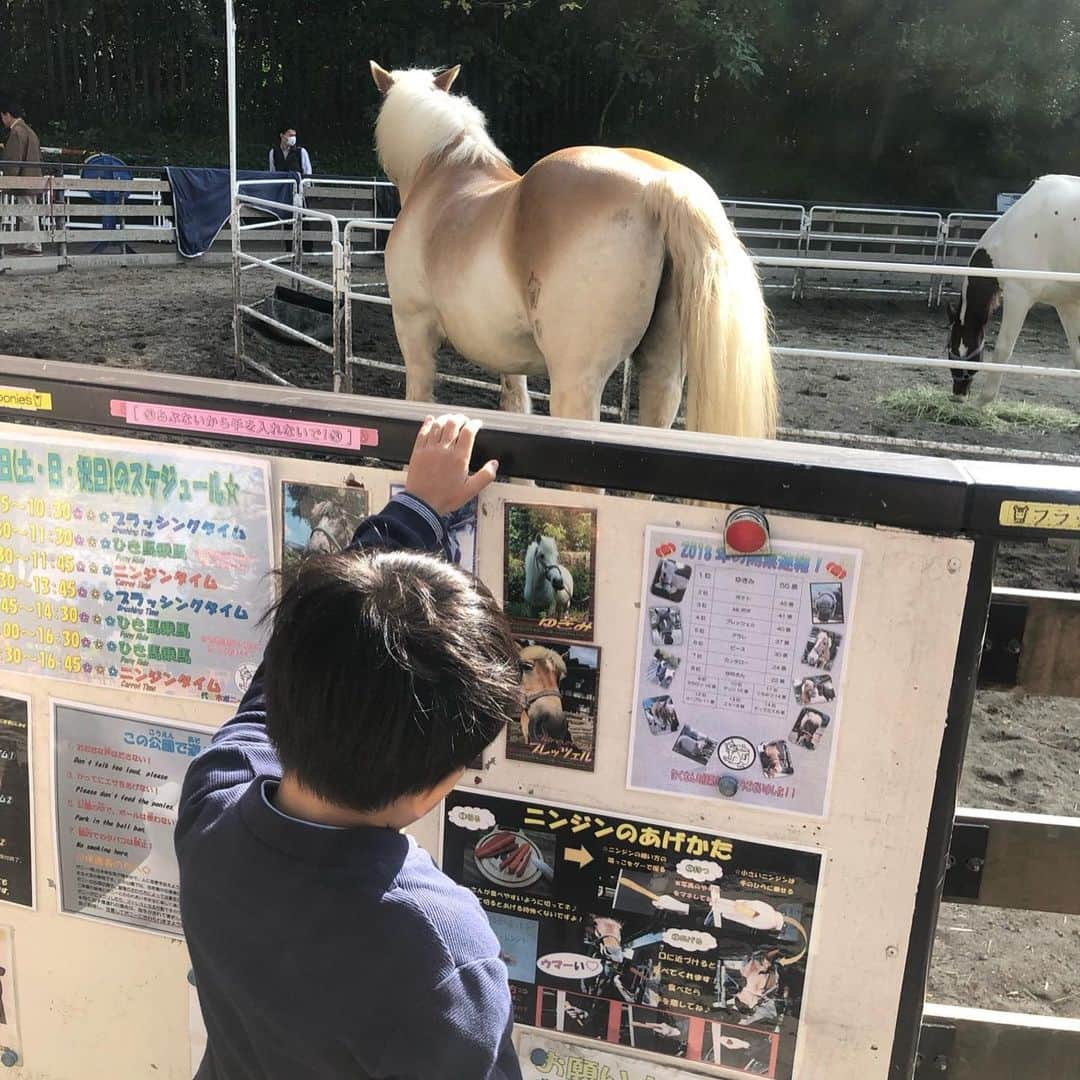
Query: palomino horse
[(543, 719), (592, 256), (1035, 233), (549, 587)]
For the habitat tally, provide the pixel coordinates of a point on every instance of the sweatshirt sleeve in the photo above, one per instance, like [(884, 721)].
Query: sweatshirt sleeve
[(467, 1025), (241, 748)]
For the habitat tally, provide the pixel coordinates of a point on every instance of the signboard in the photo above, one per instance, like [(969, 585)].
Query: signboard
[(740, 670), (117, 786), (16, 804), (640, 934), (543, 1058), (132, 567)]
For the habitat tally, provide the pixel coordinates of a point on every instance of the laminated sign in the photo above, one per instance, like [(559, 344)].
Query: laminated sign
[(642, 935), (137, 567), (740, 672)]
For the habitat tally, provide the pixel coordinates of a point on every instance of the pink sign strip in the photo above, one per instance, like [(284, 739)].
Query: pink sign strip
[(243, 425)]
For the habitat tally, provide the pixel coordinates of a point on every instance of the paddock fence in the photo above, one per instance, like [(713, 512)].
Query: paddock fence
[(957, 509)]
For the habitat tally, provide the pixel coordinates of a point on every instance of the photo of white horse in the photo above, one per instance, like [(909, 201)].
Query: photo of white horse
[(548, 570)]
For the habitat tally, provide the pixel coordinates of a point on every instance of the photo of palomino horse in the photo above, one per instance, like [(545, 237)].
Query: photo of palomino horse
[(1040, 231), (592, 256)]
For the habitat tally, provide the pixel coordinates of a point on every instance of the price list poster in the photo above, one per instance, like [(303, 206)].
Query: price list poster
[(739, 679), (134, 566)]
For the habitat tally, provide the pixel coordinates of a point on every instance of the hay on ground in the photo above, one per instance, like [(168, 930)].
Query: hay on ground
[(938, 406)]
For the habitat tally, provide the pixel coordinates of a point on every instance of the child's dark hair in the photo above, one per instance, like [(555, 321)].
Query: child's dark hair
[(386, 672)]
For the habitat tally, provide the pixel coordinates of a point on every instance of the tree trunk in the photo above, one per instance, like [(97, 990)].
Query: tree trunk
[(607, 106)]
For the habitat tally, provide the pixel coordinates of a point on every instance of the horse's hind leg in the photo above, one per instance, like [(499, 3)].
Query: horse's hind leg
[(660, 363)]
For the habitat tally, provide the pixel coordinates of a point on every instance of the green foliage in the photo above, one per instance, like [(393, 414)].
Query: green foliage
[(890, 100)]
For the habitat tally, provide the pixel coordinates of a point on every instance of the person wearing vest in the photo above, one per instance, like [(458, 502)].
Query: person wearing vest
[(287, 156), (21, 157)]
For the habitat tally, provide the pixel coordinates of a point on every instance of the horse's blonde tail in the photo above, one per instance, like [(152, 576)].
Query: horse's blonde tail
[(722, 314)]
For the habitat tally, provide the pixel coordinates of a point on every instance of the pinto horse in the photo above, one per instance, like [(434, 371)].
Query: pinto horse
[(1035, 233), (593, 256)]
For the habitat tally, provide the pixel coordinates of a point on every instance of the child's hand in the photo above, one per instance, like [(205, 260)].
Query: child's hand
[(438, 470)]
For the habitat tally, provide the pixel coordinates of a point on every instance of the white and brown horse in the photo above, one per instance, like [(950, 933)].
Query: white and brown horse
[(1040, 231), (593, 256)]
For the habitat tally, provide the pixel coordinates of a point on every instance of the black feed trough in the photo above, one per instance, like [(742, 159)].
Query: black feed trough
[(309, 314)]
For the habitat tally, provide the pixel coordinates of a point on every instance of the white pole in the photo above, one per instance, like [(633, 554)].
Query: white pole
[(234, 209)]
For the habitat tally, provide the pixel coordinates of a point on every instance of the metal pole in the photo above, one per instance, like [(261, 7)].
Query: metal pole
[(347, 315), (340, 298), (234, 208), (298, 230)]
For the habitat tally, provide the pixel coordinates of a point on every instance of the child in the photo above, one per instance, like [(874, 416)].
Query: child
[(325, 943)]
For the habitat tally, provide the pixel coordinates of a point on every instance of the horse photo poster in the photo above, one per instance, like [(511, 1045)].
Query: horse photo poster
[(739, 676), (558, 725), (549, 570), (660, 937), (317, 518)]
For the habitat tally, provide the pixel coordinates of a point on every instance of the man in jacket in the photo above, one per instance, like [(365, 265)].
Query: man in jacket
[(287, 156), (21, 157)]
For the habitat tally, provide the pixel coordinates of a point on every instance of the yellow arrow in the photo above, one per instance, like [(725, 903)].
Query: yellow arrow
[(578, 855)]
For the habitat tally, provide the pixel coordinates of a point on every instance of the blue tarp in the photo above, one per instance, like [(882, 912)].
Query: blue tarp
[(201, 202), (106, 167)]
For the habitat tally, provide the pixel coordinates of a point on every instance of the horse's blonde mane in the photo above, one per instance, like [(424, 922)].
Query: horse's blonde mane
[(539, 652), (418, 120)]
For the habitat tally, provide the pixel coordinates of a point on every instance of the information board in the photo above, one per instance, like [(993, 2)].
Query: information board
[(740, 670), (648, 935), (136, 568), (117, 786)]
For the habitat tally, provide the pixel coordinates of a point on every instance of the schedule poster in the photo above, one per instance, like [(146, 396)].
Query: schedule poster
[(657, 937), (118, 781), (16, 808), (132, 567), (740, 670)]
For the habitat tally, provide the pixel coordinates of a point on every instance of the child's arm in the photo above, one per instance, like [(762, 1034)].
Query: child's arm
[(466, 1030), (437, 483)]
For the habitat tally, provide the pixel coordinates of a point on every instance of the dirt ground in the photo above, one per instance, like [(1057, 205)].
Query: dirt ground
[(1024, 752)]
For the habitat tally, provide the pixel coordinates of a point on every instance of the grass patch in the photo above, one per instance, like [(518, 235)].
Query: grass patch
[(940, 407)]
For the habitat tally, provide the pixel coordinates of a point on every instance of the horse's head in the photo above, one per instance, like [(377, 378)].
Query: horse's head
[(542, 670), (546, 558), (419, 119), (966, 342), (969, 319)]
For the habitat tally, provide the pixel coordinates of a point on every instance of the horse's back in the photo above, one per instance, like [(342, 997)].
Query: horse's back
[(1041, 230)]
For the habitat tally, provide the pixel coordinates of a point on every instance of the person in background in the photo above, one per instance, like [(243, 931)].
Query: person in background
[(21, 157), (286, 155)]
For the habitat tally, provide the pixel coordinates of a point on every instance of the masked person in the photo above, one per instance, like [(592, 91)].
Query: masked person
[(21, 157), (286, 155)]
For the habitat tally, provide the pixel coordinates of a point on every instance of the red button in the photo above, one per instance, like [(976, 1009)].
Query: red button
[(746, 537)]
